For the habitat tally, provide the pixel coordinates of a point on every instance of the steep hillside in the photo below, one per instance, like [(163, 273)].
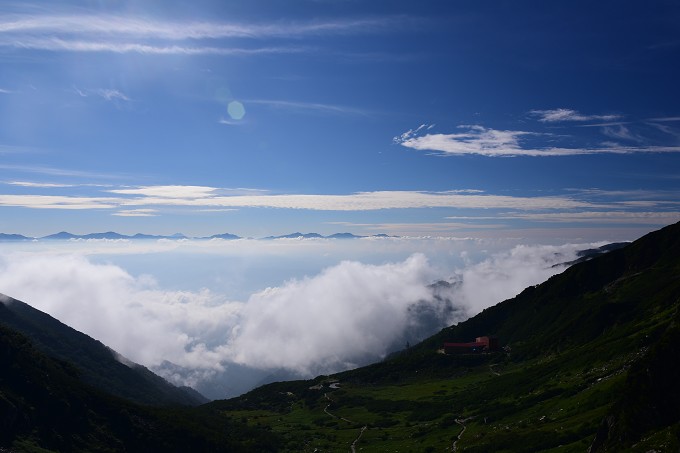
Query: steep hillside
[(44, 407), (590, 362), (98, 365)]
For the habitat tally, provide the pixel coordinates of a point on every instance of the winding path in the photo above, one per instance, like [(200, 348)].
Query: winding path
[(352, 447), (354, 444), (462, 423)]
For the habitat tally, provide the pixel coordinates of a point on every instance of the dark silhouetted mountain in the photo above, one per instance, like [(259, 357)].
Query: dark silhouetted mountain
[(585, 255), (147, 236), (107, 235), (343, 236), (61, 236), (99, 366), (14, 237), (44, 406), (110, 235), (226, 236), (297, 235)]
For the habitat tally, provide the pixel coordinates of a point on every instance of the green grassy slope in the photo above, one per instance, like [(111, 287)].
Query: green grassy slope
[(593, 351)]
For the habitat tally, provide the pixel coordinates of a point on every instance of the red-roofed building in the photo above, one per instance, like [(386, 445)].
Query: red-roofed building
[(481, 344)]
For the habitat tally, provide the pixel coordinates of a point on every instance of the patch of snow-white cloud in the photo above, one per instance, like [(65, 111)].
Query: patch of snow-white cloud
[(344, 314), (362, 201), (57, 202), (136, 213), (478, 140), (174, 191)]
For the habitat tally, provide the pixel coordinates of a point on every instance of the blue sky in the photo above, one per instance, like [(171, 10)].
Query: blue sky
[(481, 119)]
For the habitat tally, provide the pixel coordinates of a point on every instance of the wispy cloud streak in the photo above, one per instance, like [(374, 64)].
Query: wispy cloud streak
[(560, 115), (120, 34), (56, 44), (142, 28), (311, 107), (206, 197), (497, 143)]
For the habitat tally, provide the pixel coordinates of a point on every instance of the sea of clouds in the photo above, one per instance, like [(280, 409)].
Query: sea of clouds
[(224, 316)]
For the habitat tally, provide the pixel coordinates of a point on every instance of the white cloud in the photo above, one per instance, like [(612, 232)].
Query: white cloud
[(56, 171), (494, 143), (121, 34), (111, 25), (148, 201), (175, 191), (212, 198), (38, 184), (108, 94), (347, 313), (559, 115), (343, 315), (364, 201), (231, 122), (136, 213), (55, 44), (57, 202), (129, 314), (644, 218), (621, 132), (506, 274), (476, 140)]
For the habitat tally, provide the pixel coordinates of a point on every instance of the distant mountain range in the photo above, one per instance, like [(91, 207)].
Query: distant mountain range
[(112, 235)]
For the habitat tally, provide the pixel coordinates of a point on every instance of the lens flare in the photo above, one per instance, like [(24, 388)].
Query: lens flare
[(236, 110)]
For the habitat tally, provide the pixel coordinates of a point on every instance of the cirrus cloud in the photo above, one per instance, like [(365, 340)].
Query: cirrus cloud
[(479, 140), (559, 115)]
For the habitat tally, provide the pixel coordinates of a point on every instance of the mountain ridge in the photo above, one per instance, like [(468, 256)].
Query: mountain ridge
[(112, 235), (99, 365)]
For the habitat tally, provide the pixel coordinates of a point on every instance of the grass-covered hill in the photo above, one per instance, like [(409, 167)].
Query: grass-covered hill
[(98, 365), (592, 361)]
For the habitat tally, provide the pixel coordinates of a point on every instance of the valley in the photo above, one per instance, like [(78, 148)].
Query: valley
[(588, 362)]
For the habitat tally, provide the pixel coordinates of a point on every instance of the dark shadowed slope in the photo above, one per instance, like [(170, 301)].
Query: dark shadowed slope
[(45, 407), (98, 364)]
